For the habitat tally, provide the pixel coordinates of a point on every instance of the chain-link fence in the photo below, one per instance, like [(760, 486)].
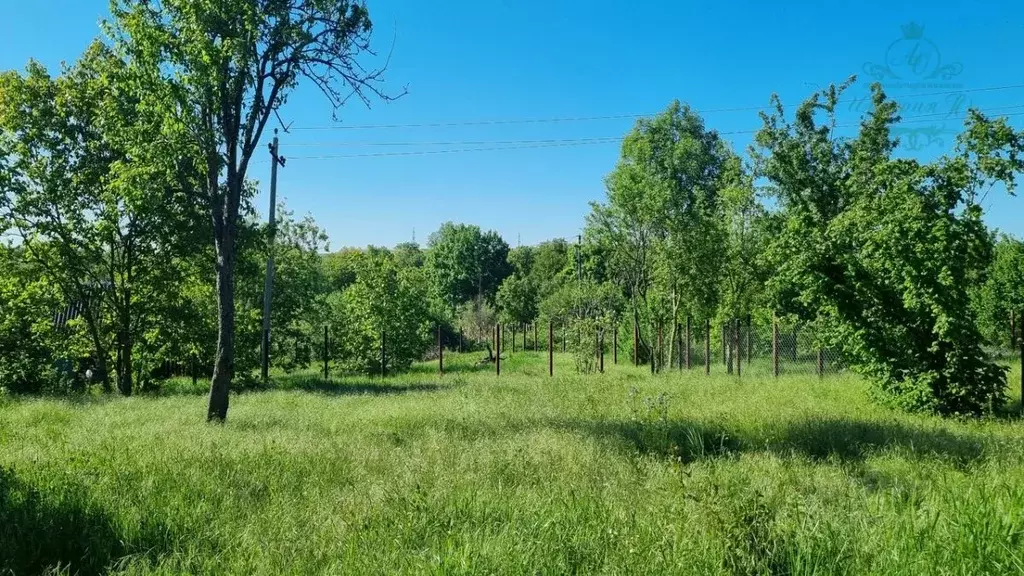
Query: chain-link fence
[(742, 346)]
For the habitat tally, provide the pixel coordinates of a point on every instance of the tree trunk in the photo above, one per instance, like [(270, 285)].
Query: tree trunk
[(124, 364), (224, 361)]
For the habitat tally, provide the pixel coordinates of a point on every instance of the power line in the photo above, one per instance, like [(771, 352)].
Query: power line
[(572, 142), (620, 116), (598, 139)]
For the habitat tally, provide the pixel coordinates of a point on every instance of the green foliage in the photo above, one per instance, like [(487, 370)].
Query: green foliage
[(28, 342), (882, 252), (386, 305), (585, 310), (1001, 294), (462, 263), (517, 300), (477, 318), (659, 235), (550, 266)]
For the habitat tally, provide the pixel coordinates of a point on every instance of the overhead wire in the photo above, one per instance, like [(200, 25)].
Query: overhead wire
[(703, 111), (492, 146)]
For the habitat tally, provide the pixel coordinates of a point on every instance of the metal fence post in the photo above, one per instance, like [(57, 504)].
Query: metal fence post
[(497, 355), (636, 343), (739, 352), (525, 327), (1013, 332), (750, 345), (440, 352), (775, 347), (725, 339), (661, 350), (707, 347), (326, 375), (615, 344), (687, 348), (600, 350), (551, 348)]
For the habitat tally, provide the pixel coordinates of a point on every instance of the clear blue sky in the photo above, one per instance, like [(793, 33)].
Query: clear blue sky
[(467, 61)]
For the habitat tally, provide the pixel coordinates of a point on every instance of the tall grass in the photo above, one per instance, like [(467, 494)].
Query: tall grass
[(619, 473)]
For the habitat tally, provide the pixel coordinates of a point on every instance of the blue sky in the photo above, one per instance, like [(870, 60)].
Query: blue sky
[(467, 61)]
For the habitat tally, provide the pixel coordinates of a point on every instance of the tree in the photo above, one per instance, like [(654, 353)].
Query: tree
[(99, 211), (882, 250), (517, 300), (462, 263), (297, 305), (29, 345), (660, 228), (549, 266), (1001, 291), (478, 319), (386, 307), (408, 255), (219, 69)]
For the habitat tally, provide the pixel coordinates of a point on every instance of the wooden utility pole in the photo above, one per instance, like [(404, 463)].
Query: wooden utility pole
[(268, 283)]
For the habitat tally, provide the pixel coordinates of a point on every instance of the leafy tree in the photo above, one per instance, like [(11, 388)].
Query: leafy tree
[(746, 225), (882, 250), (462, 263), (300, 286), (585, 309), (386, 306), (549, 266), (1002, 292), (660, 228), (341, 267), (218, 70), (408, 255), (100, 213), (29, 344), (478, 319), (517, 300)]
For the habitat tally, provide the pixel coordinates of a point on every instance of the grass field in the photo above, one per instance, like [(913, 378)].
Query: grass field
[(621, 473)]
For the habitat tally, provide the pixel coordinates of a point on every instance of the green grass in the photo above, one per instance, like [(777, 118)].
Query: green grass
[(621, 473)]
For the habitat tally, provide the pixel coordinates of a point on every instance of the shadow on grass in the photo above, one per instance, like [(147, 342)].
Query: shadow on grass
[(60, 532), (836, 439), (346, 385), (351, 387)]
